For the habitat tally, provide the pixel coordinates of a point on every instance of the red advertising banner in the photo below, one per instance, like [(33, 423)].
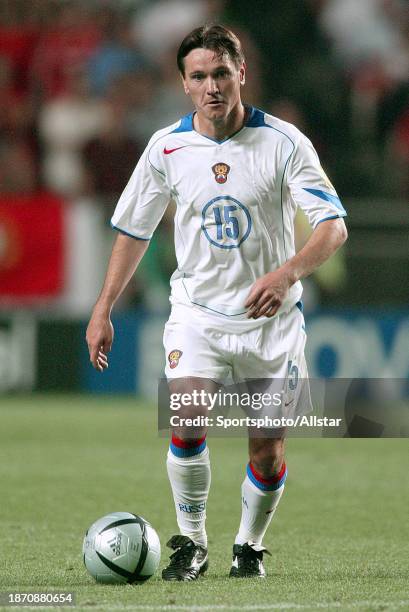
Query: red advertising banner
[(31, 247)]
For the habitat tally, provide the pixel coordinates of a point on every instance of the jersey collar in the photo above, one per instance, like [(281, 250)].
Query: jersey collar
[(254, 118)]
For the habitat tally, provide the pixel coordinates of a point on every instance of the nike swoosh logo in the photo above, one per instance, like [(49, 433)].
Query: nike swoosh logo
[(168, 151)]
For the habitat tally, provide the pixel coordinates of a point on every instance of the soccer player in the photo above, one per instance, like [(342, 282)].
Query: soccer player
[(237, 175)]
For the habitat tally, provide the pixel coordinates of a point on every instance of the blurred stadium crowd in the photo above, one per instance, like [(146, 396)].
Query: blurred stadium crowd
[(83, 85)]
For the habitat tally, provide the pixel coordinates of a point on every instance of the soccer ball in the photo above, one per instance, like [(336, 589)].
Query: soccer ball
[(121, 548)]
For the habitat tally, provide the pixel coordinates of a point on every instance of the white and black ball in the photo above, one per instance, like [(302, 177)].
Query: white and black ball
[(120, 548)]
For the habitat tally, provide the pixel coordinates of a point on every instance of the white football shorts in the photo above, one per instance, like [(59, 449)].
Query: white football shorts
[(268, 358)]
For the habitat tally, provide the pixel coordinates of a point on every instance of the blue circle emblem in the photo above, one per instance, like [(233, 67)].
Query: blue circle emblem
[(226, 222)]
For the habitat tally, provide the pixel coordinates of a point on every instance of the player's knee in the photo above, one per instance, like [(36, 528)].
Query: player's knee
[(190, 435), (267, 466), (189, 420), (267, 459)]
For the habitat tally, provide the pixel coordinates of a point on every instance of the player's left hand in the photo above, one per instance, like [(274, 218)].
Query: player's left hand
[(267, 294)]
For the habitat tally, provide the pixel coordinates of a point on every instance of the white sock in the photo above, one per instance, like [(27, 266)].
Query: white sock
[(189, 477), (259, 502)]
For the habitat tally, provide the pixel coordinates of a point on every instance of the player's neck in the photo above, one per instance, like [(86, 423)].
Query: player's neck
[(223, 128)]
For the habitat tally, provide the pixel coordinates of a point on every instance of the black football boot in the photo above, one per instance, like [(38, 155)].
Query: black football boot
[(187, 562), (248, 561)]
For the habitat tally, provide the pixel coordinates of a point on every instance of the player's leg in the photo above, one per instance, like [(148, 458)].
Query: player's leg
[(188, 462), (274, 360), (194, 362), (261, 492), (262, 487), (188, 467)]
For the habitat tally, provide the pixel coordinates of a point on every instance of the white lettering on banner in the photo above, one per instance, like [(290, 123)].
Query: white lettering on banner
[(17, 353), (358, 347)]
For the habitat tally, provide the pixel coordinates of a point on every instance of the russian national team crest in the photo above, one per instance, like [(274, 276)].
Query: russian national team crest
[(174, 357), (221, 170)]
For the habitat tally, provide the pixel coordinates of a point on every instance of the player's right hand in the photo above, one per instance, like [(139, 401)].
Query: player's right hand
[(267, 294), (99, 337)]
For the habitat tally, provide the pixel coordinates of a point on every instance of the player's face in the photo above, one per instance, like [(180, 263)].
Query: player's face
[(213, 82)]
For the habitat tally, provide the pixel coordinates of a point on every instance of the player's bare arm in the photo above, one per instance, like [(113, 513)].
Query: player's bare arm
[(268, 292), (126, 255)]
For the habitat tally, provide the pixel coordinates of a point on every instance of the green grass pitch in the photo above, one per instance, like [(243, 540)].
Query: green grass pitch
[(339, 539)]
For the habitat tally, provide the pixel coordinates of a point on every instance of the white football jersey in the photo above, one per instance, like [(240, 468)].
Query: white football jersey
[(236, 201)]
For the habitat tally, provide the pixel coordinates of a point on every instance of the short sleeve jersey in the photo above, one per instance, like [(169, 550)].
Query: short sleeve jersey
[(235, 206)]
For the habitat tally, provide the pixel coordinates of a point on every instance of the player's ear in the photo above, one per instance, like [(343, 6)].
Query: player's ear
[(242, 74), (185, 87)]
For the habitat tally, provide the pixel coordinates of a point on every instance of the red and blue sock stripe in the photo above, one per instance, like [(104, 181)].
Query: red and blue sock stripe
[(183, 448), (267, 484)]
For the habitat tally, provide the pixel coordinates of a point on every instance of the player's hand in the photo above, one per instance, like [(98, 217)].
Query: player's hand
[(99, 336), (267, 294)]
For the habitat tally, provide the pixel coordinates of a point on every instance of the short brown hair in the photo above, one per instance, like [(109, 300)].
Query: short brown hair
[(214, 37)]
